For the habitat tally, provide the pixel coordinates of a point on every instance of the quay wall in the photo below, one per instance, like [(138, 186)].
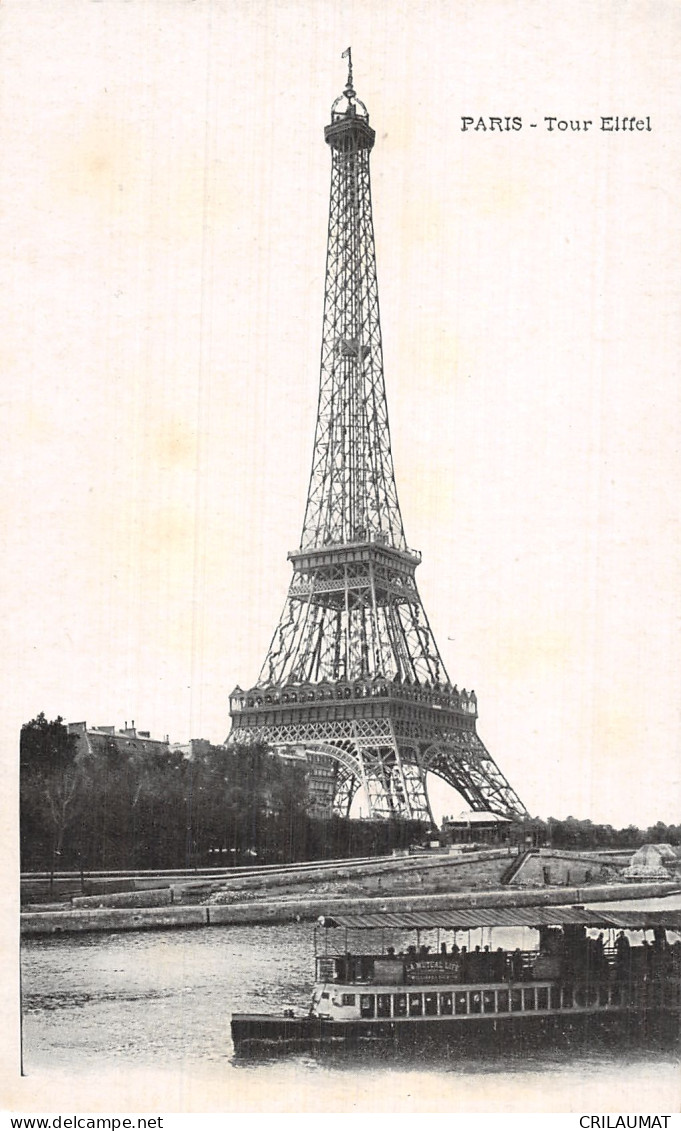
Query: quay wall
[(39, 886), (271, 912), (384, 877), (402, 866), (36, 887), (155, 897), (111, 919), (548, 867), (287, 911)]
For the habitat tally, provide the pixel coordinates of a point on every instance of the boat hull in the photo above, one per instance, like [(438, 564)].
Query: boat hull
[(275, 1034)]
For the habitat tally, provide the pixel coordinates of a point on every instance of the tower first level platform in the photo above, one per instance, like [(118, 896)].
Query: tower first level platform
[(382, 735)]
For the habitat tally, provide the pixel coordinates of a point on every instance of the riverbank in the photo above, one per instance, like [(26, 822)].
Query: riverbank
[(298, 910)]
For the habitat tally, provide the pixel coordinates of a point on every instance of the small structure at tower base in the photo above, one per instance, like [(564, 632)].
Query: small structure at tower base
[(477, 828)]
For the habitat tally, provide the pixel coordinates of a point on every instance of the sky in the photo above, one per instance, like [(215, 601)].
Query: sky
[(165, 201)]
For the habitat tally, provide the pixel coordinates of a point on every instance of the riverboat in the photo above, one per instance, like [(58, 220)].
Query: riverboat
[(592, 973)]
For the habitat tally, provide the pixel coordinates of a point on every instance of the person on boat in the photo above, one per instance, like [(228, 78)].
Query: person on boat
[(517, 965), (475, 965), (598, 963), (487, 972), (623, 960), (499, 959), (648, 961), (456, 963)]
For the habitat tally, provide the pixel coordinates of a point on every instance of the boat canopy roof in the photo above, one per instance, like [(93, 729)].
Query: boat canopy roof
[(470, 918)]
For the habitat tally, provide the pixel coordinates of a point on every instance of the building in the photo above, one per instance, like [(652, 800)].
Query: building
[(129, 740), (476, 828), (320, 776)]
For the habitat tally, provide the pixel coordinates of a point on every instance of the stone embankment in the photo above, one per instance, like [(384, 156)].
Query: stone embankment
[(296, 910), (379, 877), (545, 866)]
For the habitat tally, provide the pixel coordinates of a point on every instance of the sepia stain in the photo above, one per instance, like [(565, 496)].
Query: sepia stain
[(500, 197), (168, 532), (161, 189), (35, 426), (98, 159), (521, 654), (617, 728), (174, 445)]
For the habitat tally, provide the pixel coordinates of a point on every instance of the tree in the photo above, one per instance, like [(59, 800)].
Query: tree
[(51, 785), (46, 745)]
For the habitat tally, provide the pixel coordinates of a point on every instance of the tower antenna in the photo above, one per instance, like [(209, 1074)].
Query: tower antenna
[(349, 90)]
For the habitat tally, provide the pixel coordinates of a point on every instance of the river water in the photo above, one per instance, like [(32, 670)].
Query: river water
[(141, 1021)]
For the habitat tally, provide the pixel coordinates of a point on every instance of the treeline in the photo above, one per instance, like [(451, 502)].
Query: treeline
[(573, 833), (108, 810)]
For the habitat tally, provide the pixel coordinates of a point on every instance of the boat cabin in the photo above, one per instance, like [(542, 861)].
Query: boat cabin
[(446, 964)]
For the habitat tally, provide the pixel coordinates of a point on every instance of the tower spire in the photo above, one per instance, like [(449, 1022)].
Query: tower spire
[(348, 92), (353, 674)]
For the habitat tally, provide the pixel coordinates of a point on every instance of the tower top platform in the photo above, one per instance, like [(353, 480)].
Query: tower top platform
[(349, 126)]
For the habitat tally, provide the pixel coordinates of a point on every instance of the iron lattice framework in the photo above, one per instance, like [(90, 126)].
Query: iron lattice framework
[(353, 676)]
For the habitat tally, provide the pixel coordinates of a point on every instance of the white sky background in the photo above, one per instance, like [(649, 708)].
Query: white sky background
[(164, 187)]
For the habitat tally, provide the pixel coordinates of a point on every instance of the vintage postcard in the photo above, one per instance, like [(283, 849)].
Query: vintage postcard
[(341, 470)]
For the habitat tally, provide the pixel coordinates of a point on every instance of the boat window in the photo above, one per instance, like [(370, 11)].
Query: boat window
[(366, 1005), (430, 1005), (567, 997), (347, 999), (383, 1005), (366, 968), (603, 995), (400, 1005), (502, 1001), (476, 1001), (528, 998), (445, 1003), (555, 997), (516, 1000), (581, 997), (326, 969), (461, 1003), (325, 995), (415, 1005), (488, 1001), (543, 997)]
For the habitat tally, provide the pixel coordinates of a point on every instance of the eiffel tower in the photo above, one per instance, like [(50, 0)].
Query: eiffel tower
[(353, 677)]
